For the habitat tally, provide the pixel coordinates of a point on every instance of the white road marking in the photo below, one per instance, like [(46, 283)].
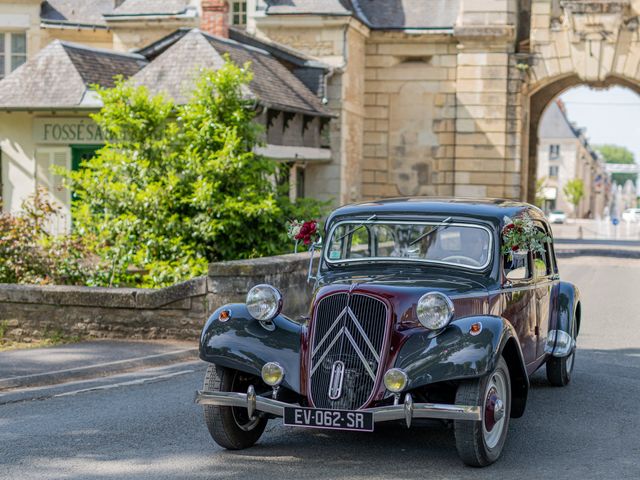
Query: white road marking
[(110, 386)]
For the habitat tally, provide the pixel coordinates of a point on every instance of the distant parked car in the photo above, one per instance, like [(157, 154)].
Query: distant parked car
[(557, 216), (631, 215)]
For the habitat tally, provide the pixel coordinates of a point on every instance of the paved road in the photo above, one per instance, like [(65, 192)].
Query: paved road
[(152, 430)]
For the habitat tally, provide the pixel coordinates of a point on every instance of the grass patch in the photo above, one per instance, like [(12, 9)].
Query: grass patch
[(49, 338), (3, 328)]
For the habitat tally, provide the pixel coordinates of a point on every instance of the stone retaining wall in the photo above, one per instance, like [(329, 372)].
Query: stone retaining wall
[(178, 311)]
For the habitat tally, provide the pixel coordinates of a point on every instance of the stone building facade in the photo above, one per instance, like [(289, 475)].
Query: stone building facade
[(429, 97), (46, 101), (444, 97), (564, 154)]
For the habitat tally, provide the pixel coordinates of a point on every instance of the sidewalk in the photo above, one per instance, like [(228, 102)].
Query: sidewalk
[(52, 365), (597, 248)]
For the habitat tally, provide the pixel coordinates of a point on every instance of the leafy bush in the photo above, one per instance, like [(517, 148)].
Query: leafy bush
[(178, 186), (29, 254)]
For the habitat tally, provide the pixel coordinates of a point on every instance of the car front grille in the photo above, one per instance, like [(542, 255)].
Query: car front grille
[(348, 339)]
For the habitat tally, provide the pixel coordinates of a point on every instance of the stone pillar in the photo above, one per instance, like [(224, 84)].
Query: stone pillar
[(487, 139), (215, 17)]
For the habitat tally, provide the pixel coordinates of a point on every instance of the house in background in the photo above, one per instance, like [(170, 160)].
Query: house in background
[(564, 154), (46, 101)]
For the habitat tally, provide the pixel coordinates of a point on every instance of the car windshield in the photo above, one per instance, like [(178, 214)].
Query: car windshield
[(445, 242)]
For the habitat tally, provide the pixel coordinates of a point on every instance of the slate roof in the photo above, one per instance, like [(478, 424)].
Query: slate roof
[(97, 12), (61, 74), (88, 12), (394, 14), (556, 124), (152, 7), (174, 71), (377, 14), (326, 7), (308, 70)]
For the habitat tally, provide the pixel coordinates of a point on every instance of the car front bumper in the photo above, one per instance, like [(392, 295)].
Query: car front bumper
[(406, 410)]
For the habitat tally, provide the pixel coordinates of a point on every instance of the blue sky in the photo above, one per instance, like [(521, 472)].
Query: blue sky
[(610, 116)]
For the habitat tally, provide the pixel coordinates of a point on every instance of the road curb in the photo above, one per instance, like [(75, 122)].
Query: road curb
[(597, 252), (97, 370)]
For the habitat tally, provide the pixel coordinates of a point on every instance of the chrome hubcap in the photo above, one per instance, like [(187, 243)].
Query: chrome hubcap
[(494, 420)]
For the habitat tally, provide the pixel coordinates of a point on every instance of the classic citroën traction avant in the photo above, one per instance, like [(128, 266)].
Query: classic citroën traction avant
[(422, 308)]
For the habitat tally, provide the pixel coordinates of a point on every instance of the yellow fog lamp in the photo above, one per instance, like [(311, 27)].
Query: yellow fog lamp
[(395, 380), (272, 374)]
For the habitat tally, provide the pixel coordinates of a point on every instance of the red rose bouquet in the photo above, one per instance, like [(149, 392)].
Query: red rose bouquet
[(305, 232)]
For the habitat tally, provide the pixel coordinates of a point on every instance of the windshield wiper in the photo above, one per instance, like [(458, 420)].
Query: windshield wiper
[(443, 224), (357, 227)]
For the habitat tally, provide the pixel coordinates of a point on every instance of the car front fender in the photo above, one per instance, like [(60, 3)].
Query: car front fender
[(457, 354), (244, 344)]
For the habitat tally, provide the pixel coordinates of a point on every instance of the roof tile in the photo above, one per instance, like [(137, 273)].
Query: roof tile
[(174, 72)]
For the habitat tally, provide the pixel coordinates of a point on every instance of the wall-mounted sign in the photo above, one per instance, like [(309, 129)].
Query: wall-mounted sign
[(66, 131)]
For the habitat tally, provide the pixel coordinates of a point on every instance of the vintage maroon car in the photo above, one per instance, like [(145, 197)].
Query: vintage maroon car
[(423, 308)]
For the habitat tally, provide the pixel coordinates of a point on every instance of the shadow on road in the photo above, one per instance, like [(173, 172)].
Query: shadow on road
[(586, 430)]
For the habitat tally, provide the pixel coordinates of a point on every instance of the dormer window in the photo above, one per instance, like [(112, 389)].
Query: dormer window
[(13, 51), (238, 13)]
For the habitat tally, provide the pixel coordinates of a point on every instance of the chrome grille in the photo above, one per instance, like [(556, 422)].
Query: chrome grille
[(348, 338)]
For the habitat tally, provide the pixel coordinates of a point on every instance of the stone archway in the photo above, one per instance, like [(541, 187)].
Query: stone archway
[(540, 100), (576, 42)]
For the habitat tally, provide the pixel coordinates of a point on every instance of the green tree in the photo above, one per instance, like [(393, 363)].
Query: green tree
[(178, 186), (618, 154), (540, 185), (574, 191)]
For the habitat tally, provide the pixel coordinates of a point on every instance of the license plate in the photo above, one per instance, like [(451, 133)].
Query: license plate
[(331, 419)]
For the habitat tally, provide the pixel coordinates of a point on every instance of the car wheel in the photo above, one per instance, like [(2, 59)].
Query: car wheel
[(559, 369), (231, 427), (480, 443)]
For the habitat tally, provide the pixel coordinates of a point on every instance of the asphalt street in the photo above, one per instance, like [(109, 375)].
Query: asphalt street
[(146, 426)]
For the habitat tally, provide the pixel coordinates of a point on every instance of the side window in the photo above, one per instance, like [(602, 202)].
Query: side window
[(542, 261), (516, 267)]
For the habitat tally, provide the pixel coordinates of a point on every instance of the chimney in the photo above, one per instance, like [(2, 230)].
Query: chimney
[(215, 17)]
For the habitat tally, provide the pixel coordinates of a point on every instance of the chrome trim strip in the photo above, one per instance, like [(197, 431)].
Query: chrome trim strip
[(380, 414), (364, 335), (361, 356), (321, 359), (403, 259), (335, 382), (335, 324)]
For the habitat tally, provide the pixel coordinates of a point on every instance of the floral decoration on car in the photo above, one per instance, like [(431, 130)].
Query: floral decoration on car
[(520, 235), (301, 231)]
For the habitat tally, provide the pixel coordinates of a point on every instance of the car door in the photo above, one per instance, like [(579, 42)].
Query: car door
[(544, 279), (518, 306)]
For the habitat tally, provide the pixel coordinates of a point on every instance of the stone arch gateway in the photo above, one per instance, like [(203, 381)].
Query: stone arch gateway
[(575, 42)]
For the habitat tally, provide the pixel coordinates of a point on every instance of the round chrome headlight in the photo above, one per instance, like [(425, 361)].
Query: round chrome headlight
[(434, 310), (264, 302)]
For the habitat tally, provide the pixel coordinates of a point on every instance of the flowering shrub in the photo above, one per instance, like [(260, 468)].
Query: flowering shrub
[(29, 254), (521, 235)]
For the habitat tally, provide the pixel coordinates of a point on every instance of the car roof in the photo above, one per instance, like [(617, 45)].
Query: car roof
[(488, 209)]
